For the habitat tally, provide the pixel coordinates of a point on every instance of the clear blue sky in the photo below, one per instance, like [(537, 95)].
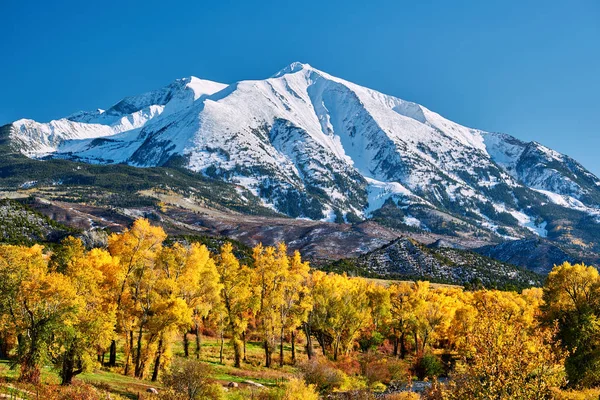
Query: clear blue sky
[(528, 68)]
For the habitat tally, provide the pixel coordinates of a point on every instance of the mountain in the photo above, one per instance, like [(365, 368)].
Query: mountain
[(310, 145), (536, 254), (405, 258), (20, 224)]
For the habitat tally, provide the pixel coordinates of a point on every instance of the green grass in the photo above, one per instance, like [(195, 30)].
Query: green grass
[(113, 381)]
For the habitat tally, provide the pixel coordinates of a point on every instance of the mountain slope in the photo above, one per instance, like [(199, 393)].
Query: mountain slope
[(536, 254), (315, 146), (405, 258)]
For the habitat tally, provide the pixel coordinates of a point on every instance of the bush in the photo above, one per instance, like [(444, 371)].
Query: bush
[(297, 389), (191, 380), (374, 368), (585, 394), (78, 391), (399, 370), (378, 387), (403, 396), (427, 366), (348, 365), (321, 373)]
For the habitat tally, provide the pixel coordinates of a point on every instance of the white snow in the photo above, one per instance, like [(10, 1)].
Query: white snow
[(303, 127), (569, 202), (411, 221)]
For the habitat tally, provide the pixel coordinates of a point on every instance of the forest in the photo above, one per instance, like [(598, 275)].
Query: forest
[(151, 309)]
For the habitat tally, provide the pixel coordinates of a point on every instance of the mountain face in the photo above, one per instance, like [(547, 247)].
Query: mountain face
[(536, 254), (314, 146), (405, 258)]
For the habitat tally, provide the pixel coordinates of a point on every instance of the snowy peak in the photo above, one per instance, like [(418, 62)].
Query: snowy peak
[(316, 146), (294, 67)]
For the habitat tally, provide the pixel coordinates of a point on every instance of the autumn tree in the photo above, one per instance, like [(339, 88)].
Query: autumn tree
[(188, 284), (136, 249), (572, 299), (270, 271), (507, 354), (92, 325), (341, 309), (295, 301), (41, 305), (374, 332), (402, 313), (236, 296)]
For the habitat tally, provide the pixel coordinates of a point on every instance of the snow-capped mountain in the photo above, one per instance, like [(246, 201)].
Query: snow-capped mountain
[(315, 146)]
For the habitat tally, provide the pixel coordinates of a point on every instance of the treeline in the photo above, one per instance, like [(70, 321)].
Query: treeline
[(77, 308)]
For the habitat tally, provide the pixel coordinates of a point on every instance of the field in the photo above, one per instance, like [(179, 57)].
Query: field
[(131, 388)]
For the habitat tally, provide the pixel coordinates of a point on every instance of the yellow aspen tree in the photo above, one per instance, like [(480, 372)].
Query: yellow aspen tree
[(136, 249), (94, 320), (296, 302), (188, 284), (200, 288), (236, 296), (572, 301), (271, 268), (373, 334), (508, 355), (402, 313), (341, 309), (41, 305)]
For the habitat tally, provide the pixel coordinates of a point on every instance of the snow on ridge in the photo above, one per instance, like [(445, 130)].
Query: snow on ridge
[(202, 87), (303, 128), (524, 220), (379, 192), (569, 202)]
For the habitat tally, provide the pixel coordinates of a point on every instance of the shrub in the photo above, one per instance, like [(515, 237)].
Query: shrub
[(585, 394), (348, 365), (378, 387), (297, 389), (427, 366), (374, 368), (78, 391), (399, 370), (321, 373), (403, 396), (192, 380)]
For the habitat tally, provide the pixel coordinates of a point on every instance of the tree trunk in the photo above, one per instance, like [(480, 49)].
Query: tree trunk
[(395, 342), (186, 345), (281, 334), (70, 367), (321, 340), (293, 346), (159, 352), (112, 358), (3, 346), (198, 340), (267, 354), (221, 349), (402, 346), (129, 356), (425, 339), (244, 342), (416, 343), (237, 352), (138, 352), (309, 348), (30, 370), (335, 350)]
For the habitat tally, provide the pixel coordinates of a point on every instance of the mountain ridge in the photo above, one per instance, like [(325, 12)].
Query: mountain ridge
[(311, 145)]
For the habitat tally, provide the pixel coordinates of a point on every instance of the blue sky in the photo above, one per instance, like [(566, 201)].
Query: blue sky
[(528, 68)]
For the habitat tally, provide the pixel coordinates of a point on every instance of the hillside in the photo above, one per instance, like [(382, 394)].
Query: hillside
[(407, 259)]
